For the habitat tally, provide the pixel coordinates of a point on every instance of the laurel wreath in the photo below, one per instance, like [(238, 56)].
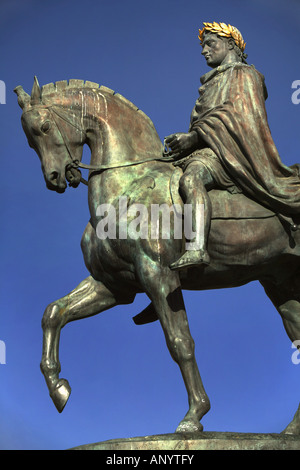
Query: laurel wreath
[(222, 29)]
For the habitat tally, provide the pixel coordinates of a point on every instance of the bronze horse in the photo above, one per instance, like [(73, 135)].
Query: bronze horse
[(246, 243)]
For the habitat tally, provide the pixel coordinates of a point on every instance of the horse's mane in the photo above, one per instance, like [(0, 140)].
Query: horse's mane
[(52, 90)]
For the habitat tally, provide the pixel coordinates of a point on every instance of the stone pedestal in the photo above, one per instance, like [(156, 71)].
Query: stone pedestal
[(199, 441)]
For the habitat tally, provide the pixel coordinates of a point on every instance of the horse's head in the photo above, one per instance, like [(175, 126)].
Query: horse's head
[(54, 135)]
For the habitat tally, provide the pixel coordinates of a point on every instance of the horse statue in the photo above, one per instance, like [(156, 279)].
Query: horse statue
[(247, 242)]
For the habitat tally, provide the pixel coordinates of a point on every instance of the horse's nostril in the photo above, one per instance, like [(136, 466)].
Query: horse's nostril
[(55, 182), (53, 177)]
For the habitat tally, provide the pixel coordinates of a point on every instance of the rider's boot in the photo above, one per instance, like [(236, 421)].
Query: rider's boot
[(197, 256)]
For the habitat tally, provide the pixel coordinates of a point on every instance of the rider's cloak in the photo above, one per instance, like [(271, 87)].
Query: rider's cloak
[(230, 117)]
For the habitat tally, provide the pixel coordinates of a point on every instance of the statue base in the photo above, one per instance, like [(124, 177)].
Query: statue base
[(199, 441)]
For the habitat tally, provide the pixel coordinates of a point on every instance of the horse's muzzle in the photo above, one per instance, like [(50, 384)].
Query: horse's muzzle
[(55, 182)]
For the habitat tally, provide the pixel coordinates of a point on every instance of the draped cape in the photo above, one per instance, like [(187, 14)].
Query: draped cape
[(230, 118)]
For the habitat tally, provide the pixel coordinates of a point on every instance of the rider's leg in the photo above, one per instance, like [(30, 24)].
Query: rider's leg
[(194, 184)]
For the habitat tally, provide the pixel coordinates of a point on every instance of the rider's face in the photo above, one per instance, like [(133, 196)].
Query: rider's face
[(214, 49)]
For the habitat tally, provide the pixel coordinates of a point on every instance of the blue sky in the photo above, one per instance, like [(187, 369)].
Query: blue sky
[(124, 382)]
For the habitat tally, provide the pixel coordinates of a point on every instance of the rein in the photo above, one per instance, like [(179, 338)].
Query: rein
[(166, 157)]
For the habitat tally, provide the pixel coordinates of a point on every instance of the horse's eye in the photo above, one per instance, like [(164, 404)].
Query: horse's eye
[(45, 127)]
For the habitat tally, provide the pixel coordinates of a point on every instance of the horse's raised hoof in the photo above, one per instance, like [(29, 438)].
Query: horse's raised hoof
[(60, 394), (189, 425)]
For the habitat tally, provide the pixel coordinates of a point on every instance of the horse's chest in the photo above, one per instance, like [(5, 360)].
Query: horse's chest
[(103, 255)]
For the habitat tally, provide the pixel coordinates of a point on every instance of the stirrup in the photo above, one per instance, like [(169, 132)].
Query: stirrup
[(192, 258)]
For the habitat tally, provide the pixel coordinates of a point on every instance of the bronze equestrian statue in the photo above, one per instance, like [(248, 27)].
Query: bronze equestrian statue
[(227, 161)]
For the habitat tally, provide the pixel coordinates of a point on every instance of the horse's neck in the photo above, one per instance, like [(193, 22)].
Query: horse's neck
[(121, 132), (117, 134)]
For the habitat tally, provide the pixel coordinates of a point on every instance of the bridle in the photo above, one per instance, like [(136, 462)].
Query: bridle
[(75, 163)]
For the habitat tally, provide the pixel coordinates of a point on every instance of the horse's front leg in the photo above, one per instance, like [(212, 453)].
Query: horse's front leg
[(88, 298), (164, 289)]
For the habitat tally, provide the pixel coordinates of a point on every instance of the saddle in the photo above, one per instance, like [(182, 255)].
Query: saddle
[(226, 205)]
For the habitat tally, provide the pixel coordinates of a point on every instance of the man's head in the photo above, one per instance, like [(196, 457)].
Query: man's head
[(221, 44)]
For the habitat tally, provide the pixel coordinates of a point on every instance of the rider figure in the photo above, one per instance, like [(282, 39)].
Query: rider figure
[(229, 144)]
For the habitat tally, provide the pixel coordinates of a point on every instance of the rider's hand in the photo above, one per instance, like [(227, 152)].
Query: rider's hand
[(182, 144)]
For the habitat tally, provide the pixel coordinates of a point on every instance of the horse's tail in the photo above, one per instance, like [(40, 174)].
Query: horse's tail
[(148, 315)]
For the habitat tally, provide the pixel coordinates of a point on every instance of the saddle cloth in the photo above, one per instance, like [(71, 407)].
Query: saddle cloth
[(225, 205)]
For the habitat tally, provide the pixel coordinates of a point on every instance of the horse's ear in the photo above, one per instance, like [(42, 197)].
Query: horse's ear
[(23, 97), (36, 93)]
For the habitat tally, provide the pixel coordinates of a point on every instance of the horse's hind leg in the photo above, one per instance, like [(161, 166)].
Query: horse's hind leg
[(164, 289), (88, 298), (287, 302)]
